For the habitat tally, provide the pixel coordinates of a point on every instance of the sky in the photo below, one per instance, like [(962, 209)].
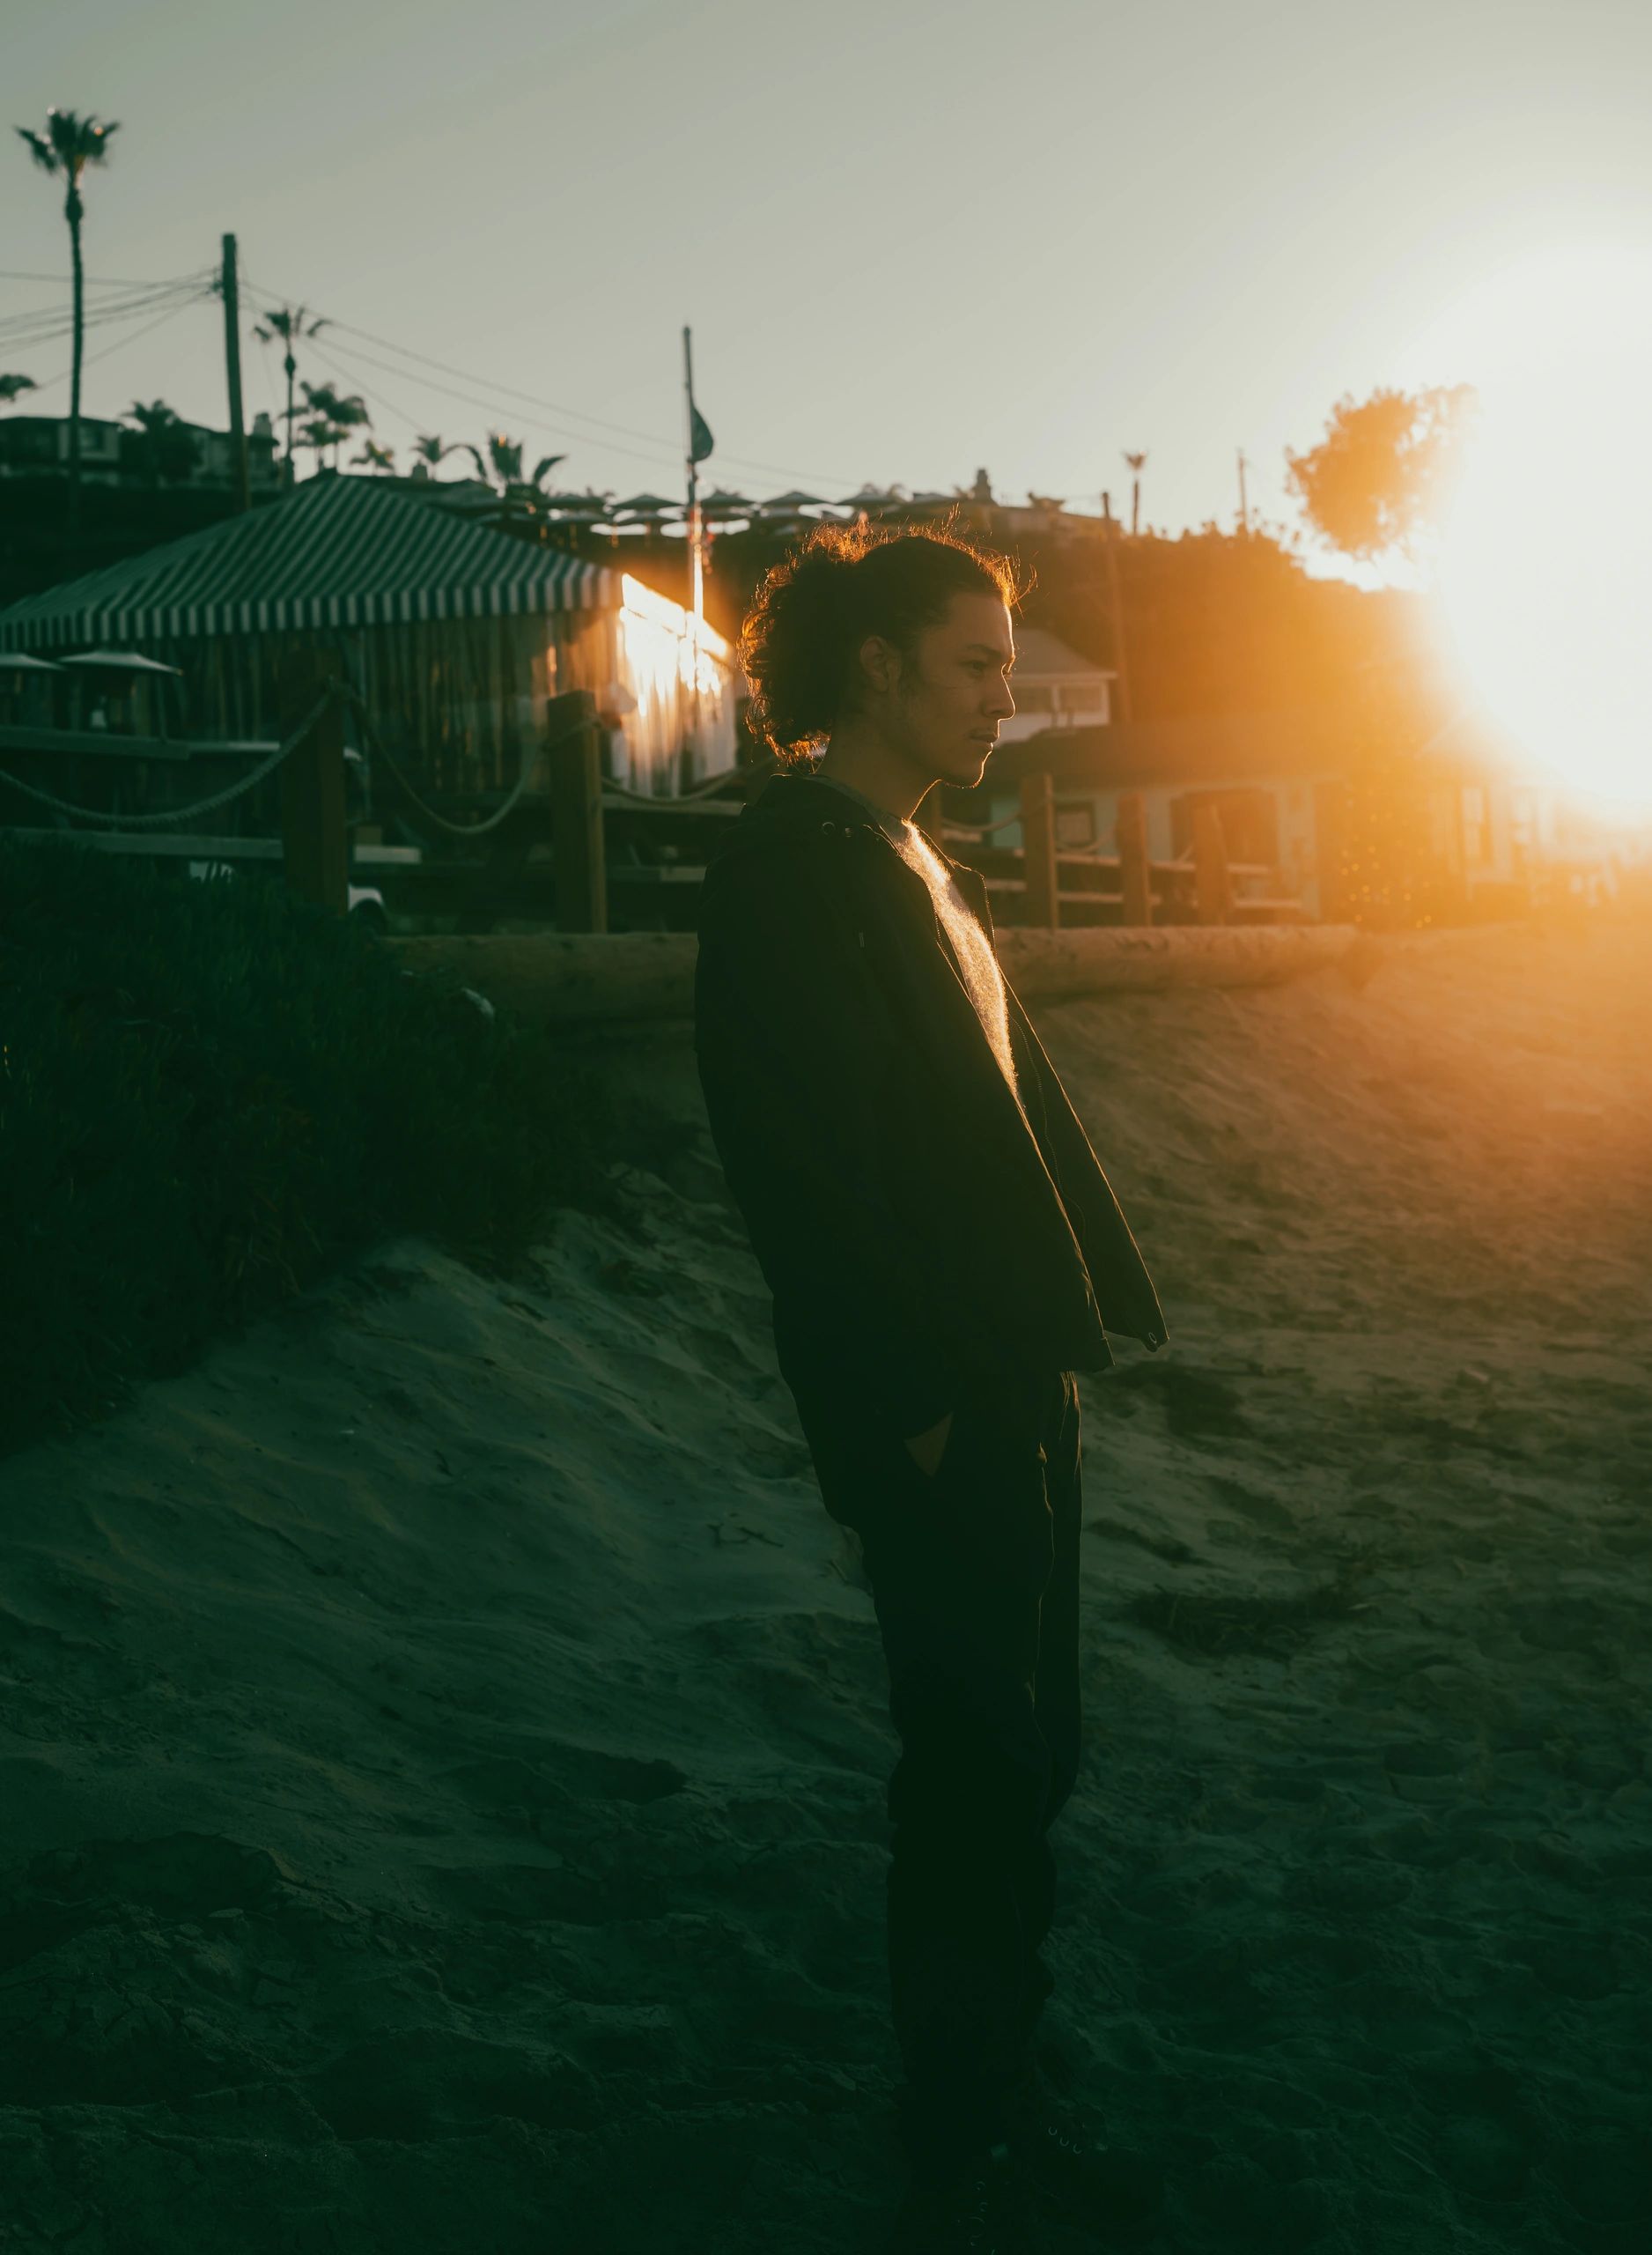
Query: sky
[(912, 241)]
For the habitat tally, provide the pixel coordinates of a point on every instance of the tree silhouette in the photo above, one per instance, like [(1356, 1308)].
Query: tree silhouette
[(13, 387), (333, 416), (1378, 481), (167, 443), (69, 145), (503, 467), (291, 325)]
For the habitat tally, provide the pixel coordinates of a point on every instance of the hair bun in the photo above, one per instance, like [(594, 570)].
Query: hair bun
[(798, 639)]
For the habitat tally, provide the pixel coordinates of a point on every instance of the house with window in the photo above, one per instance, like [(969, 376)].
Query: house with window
[(120, 455), (1320, 811), (1054, 687)]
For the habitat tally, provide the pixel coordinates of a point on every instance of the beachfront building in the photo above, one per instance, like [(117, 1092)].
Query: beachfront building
[(455, 635), (1337, 824), (121, 454)]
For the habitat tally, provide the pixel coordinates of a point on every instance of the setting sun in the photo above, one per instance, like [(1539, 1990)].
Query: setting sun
[(1545, 564)]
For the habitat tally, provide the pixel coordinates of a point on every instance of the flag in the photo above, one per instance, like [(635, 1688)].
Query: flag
[(699, 435)]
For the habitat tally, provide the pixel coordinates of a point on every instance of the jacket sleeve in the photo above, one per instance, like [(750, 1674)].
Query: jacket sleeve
[(794, 1043)]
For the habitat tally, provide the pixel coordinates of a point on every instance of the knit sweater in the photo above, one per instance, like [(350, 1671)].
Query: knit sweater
[(977, 962)]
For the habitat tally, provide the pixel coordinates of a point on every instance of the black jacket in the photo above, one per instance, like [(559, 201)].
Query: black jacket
[(915, 1237)]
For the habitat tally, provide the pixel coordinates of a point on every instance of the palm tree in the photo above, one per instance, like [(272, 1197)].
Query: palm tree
[(333, 413), (167, 445), (432, 452), (1138, 464), (321, 434), (69, 145), (504, 467), (290, 325), (12, 388), (375, 457)]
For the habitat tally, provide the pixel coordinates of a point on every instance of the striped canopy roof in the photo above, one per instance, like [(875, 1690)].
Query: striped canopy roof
[(337, 551)]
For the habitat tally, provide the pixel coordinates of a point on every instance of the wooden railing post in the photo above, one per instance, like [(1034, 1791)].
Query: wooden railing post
[(315, 849), (1135, 873), (1213, 884), (1039, 867), (575, 779)]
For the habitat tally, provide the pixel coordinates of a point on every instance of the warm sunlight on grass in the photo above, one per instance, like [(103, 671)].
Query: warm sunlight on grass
[(1545, 570)]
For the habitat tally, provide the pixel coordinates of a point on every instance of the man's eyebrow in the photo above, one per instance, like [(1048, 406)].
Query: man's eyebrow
[(990, 648)]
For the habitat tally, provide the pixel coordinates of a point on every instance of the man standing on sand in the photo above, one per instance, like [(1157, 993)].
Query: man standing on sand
[(944, 1252)]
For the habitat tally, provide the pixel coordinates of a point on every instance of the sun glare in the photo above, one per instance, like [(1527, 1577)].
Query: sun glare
[(1545, 568)]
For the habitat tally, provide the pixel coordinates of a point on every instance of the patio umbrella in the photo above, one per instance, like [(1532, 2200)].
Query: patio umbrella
[(122, 661), (647, 504), (14, 662), (874, 498), (580, 505)]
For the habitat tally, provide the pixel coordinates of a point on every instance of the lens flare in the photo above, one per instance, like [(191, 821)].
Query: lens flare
[(1544, 575)]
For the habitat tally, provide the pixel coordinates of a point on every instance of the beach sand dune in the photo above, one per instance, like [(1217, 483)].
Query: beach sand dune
[(445, 1737)]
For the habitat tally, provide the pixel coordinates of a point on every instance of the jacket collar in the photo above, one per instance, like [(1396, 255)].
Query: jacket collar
[(789, 807), (795, 806)]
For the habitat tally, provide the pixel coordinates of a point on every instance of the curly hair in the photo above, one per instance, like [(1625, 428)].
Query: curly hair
[(837, 584)]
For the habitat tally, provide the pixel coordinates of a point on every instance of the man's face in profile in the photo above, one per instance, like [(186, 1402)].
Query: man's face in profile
[(953, 690)]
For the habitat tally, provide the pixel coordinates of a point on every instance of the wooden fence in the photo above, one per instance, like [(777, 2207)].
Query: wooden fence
[(563, 803)]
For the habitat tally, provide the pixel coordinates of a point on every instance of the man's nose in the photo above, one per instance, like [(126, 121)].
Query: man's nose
[(1000, 704)]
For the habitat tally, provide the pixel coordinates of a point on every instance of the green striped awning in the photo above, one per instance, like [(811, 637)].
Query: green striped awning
[(337, 552)]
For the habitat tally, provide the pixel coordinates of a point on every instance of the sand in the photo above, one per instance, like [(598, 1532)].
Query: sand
[(446, 1738)]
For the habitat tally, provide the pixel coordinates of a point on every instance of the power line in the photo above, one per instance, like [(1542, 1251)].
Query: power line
[(346, 374), (656, 451), (43, 327), (120, 343), (159, 322), (492, 407), (653, 449), (91, 281)]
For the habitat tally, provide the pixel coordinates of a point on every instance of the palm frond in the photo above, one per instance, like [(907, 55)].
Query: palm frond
[(69, 142)]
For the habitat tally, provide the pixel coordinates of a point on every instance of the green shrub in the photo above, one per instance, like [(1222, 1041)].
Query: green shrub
[(211, 1093)]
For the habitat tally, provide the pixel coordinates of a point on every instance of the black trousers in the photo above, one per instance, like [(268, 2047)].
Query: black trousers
[(974, 1571)]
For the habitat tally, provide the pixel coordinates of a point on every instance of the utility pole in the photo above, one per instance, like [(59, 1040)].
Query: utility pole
[(699, 445), (1244, 513), (230, 283), (1121, 661)]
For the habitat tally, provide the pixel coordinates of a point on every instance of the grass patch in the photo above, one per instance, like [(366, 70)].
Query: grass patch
[(213, 1093)]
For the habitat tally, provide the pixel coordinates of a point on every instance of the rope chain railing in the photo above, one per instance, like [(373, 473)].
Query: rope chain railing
[(202, 806), (530, 759), (336, 691), (341, 692)]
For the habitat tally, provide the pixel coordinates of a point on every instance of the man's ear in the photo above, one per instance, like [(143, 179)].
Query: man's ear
[(880, 663)]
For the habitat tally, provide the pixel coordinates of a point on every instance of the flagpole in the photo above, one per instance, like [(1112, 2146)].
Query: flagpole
[(696, 575)]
